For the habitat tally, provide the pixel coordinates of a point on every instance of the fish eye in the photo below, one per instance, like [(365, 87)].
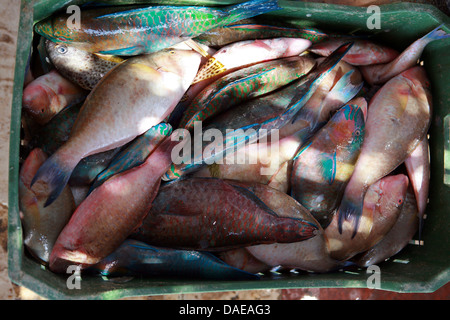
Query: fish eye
[(172, 51), (357, 133), (61, 49), (400, 201)]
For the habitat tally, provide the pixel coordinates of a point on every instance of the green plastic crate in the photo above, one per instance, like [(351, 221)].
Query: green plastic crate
[(422, 268)]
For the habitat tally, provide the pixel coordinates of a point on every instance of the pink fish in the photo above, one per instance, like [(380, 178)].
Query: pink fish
[(48, 94), (398, 118), (363, 52), (382, 205), (110, 213), (378, 74), (242, 259)]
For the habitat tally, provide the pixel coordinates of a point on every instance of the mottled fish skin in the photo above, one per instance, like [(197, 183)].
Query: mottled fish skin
[(145, 29), (41, 226), (135, 153), (237, 55), (241, 85), (310, 254), (364, 52), (398, 118), (136, 258), (397, 238), (418, 167), (110, 213), (250, 30), (210, 214), (379, 74), (159, 79), (81, 67), (383, 203), (323, 166), (47, 95)]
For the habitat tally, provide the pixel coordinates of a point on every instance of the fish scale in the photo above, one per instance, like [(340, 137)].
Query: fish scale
[(199, 215)]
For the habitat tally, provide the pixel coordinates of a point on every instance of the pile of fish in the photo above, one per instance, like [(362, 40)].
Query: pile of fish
[(336, 160)]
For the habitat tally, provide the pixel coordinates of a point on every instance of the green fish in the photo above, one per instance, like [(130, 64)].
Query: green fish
[(145, 29)]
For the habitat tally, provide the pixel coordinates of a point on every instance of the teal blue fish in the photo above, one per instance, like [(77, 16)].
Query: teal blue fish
[(135, 153), (140, 30), (136, 258)]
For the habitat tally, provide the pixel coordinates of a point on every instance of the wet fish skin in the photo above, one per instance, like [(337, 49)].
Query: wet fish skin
[(324, 165), (398, 118), (242, 259), (47, 95), (135, 153), (379, 74), (81, 67), (397, 238), (136, 258), (213, 215), (110, 213), (41, 225), (383, 203), (159, 79), (147, 29), (363, 52)]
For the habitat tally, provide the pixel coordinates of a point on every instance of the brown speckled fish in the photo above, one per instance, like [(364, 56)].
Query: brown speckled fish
[(138, 94), (211, 214)]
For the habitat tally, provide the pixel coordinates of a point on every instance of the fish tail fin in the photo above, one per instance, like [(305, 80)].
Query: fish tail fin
[(436, 34), (344, 90), (54, 173), (350, 210), (316, 75), (250, 9)]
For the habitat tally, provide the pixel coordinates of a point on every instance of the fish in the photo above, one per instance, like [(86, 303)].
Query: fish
[(256, 119), (145, 29), (136, 258), (418, 168), (242, 259), (159, 80), (364, 52), (397, 238), (323, 166), (84, 68), (379, 74), (251, 30), (41, 225), (383, 203), (110, 213), (233, 57), (210, 214), (310, 254), (47, 95), (241, 85), (134, 154), (398, 118)]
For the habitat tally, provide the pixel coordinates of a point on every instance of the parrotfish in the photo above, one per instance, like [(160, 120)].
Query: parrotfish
[(382, 205), (364, 52), (397, 238), (397, 120), (418, 167), (310, 254), (41, 225), (48, 94), (145, 29), (110, 213), (242, 259), (211, 214), (250, 30), (135, 153), (135, 258), (241, 85), (81, 67), (158, 80), (324, 165), (260, 117), (237, 55), (379, 74)]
